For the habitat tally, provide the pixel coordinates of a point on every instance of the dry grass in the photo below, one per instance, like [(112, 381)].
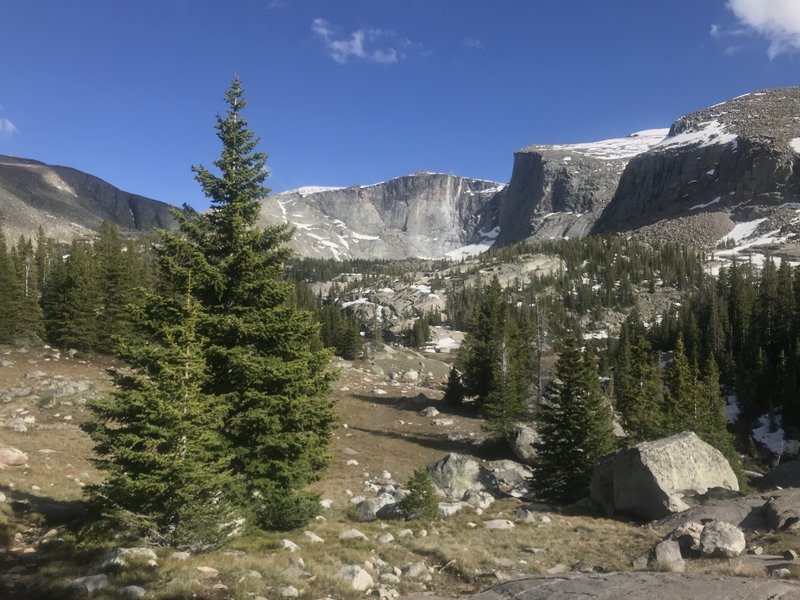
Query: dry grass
[(383, 432)]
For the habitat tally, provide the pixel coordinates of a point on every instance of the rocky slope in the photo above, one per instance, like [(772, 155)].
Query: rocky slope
[(68, 203), (422, 215), (738, 157)]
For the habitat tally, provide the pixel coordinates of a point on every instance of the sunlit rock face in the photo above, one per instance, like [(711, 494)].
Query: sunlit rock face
[(429, 215)]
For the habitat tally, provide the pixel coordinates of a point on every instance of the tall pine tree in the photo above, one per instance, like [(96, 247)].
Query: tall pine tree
[(574, 425)]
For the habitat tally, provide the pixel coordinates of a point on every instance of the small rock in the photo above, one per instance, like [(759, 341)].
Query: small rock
[(352, 534), (207, 572), (556, 569), (180, 556), (722, 539), (133, 592), (405, 533), (355, 577), (290, 591), (790, 554), (386, 538), (326, 503), (313, 537), (782, 573), (389, 578), (352, 462), (448, 509), (10, 456), (498, 524), (429, 411), (418, 571), (289, 545), (442, 422), (89, 584)]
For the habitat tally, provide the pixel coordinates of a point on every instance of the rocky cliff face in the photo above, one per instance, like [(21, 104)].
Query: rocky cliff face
[(68, 203), (740, 157), (421, 215), (560, 190)]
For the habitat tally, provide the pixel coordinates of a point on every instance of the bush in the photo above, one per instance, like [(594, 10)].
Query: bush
[(420, 503)]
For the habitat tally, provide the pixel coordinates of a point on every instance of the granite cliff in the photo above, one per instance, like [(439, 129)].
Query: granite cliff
[(421, 215)]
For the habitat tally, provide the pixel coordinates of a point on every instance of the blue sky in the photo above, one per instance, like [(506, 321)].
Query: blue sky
[(348, 92)]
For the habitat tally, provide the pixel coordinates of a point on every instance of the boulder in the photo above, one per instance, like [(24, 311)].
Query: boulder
[(87, 586), (746, 512), (355, 578), (721, 539), (782, 511), (649, 480), (511, 478), (664, 556), (368, 509), (11, 457), (454, 474), (637, 585), (521, 440)]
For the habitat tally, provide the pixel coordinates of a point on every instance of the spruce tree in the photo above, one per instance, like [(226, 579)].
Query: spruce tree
[(574, 426), (9, 294), (260, 352), (159, 435), (227, 413), (507, 404)]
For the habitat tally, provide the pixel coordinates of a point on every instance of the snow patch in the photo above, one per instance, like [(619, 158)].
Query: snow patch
[(774, 437), (698, 206), (361, 236), (617, 148), (704, 134), (794, 144), (743, 230)]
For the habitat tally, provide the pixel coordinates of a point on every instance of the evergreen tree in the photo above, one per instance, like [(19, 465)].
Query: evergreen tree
[(574, 425), (259, 356), (231, 368), (29, 321), (454, 392), (507, 404), (480, 351), (73, 299), (9, 294), (420, 502), (159, 434)]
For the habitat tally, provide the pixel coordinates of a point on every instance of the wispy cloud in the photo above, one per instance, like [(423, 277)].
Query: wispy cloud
[(7, 128), (362, 44), (776, 20), (473, 43)]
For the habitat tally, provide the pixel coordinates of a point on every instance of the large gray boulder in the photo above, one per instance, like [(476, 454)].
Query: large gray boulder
[(782, 510), (650, 480), (637, 585), (522, 439), (455, 474)]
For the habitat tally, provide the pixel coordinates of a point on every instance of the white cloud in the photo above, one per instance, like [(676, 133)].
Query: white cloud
[(359, 45), (473, 43), (715, 31), (7, 128), (777, 20)]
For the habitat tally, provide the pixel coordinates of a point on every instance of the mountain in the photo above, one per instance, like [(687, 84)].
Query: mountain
[(68, 203), (560, 190), (738, 160), (727, 173), (421, 215)]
